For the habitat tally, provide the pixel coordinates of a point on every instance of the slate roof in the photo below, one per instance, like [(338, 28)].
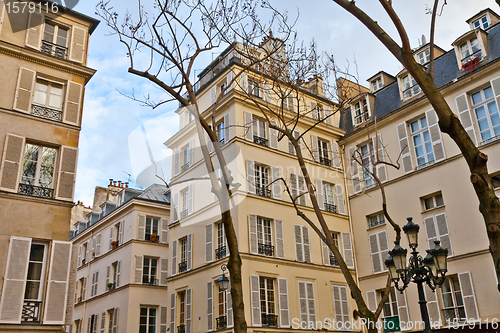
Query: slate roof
[(156, 192)]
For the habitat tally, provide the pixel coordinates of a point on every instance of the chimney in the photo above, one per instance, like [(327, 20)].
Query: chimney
[(111, 181)]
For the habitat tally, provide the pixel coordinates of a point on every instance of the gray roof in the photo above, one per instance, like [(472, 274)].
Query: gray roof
[(156, 192)]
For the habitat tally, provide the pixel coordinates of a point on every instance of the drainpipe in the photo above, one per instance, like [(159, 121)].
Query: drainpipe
[(87, 280)]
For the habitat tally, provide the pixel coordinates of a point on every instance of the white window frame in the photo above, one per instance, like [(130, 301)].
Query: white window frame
[(254, 88), (221, 236), (377, 83), (148, 233), (480, 23), (42, 276), (486, 103), (146, 270), (361, 111), (220, 130), (453, 293), (434, 201), (264, 232), (466, 49), (420, 132), (380, 220), (49, 86), (409, 87), (264, 295), (148, 318), (36, 178), (259, 130), (367, 159)]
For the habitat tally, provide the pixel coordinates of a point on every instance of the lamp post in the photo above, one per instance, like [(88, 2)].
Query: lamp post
[(430, 270), (223, 281)]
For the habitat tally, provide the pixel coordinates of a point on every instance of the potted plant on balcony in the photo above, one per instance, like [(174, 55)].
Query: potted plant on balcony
[(114, 244), (153, 237), (109, 285)]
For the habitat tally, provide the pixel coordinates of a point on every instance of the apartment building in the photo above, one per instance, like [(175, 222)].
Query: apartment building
[(289, 276), (43, 60), (120, 260), (432, 185)]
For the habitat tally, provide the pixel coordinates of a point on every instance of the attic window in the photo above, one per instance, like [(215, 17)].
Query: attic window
[(410, 87), (377, 84), (470, 50), (361, 113), (424, 57), (482, 23)]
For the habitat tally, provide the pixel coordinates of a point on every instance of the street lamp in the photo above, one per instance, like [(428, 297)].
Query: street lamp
[(431, 269), (223, 280)]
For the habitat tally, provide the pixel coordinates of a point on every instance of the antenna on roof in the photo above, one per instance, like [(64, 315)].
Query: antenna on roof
[(129, 176), (423, 40)]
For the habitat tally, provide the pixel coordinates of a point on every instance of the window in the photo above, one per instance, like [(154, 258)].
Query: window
[(377, 84), (267, 306), (37, 178), (95, 283), (48, 95), (470, 50), (34, 279), (410, 87), (306, 303), (185, 199), (182, 311), (262, 181), (221, 251), (376, 220), (328, 199), (323, 152), (424, 57), (482, 23), (391, 317), (433, 202), (55, 40), (422, 142), (361, 112), (81, 287), (222, 319), (486, 111), (379, 248), (77, 326), (264, 239), (147, 321), (221, 132), (149, 271), (84, 252), (332, 261), (259, 132), (186, 154), (453, 303), (113, 275), (253, 88), (113, 320), (183, 261), (496, 181), (92, 324), (223, 87), (367, 157), (152, 228), (288, 102)]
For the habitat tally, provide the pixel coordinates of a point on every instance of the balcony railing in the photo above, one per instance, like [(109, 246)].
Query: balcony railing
[(185, 167), (148, 238), (423, 165), (183, 266), (55, 50), (184, 214), (36, 191), (325, 161), (45, 112), (220, 252), (453, 314), (79, 299), (259, 140), (221, 322), (333, 261), (111, 286), (31, 312), (267, 250), (263, 191), (269, 320), (181, 329), (330, 208), (150, 281)]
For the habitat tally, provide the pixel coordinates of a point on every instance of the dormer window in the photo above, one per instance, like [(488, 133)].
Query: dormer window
[(410, 87), (361, 113), (470, 50), (377, 84), (482, 23), (423, 57)]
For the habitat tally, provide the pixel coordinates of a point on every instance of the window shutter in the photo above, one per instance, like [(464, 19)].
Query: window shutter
[(163, 271), (341, 305), (227, 126), (314, 145), (244, 82), (444, 234), (319, 194), (174, 257), (163, 319), (189, 252), (209, 242), (248, 126), (275, 178), (384, 248), (176, 207), (371, 300), (34, 33), (273, 137), (314, 111), (291, 148), (430, 231), (110, 238), (404, 317), (79, 262), (98, 244), (87, 252), (310, 301), (213, 94), (467, 289), (103, 321), (305, 242), (77, 51), (141, 227), (250, 176), (339, 196), (164, 231), (210, 306), (252, 227), (435, 132), (347, 248), (326, 253), (432, 304), (115, 320), (229, 79), (118, 272), (280, 239), (15, 280), (299, 249), (328, 114), (120, 233), (464, 112), (73, 102), (404, 147), (357, 185), (139, 261), (190, 199), (11, 162), (294, 186), (302, 189), (108, 274), (191, 152), (255, 295), (334, 146), (177, 166), (67, 173), (24, 90), (57, 286), (375, 253), (304, 315), (210, 144), (230, 319), (381, 168), (267, 92), (189, 295), (283, 303), (172, 312)]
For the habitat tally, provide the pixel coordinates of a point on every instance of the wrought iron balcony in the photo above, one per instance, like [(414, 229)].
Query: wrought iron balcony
[(31, 312), (36, 191), (184, 214), (330, 208), (333, 261), (221, 322), (220, 252), (54, 50), (148, 238), (270, 320), (267, 250), (181, 329), (454, 314), (183, 266), (325, 161), (263, 191), (150, 281), (259, 140), (84, 261), (79, 299), (185, 166), (45, 112)]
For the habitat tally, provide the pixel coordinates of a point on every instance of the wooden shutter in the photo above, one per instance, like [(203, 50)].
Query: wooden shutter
[(213, 94), (375, 253), (302, 190), (174, 257), (15, 280), (164, 231), (435, 133), (341, 306), (252, 231), (190, 198), (275, 178), (103, 321), (430, 231), (464, 113), (12, 162), (371, 300), (24, 90), (191, 152), (339, 197), (380, 156), (139, 262), (319, 194), (294, 186), (2, 10), (172, 311), (326, 252), (163, 271), (273, 137), (347, 249), (328, 114), (118, 272), (248, 126), (304, 313), (229, 79), (108, 274), (84, 288), (404, 147), (384, 248), (357, 185), (210, 306), (115, 320), (314, 145), (334, 146), (315, 111), (189, 295), (230, 319), (176, 207), (34, 33), (467, 289), (311, 307), (432, 304), (77, 48), (227, 127), (120, 233), (67, 173), (57, 286), (189, 253), (284, 313), (163, 319), (87, 250), (209, 242), (244, 82), (267, 92), (74, 95), (110, 238), (176, 161), (299, 249), (250, 176), (98, 244), (255, 295), (404, 317), (443, 232), (79, 262), (305, 243), (280, 239)]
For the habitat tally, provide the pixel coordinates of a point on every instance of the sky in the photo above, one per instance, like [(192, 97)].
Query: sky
[(115, 128)]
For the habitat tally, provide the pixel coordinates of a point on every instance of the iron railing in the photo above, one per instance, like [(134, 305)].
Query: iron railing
[(325, 161), (267, 250), (183, 266), (54, 50), (84, 261), (148, 238), (150, 281), (181, 329), (79, 299), (423, 165), (31, 312), (333, 261), (220, 252), (456, 313), (263, 191), (45, 112), (330, 208), (184, 214), (36, 191), (185, 167), (221, 322), (111, 286), (269, 320), (259, 140)]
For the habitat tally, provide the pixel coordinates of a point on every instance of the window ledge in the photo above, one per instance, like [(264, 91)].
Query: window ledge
[(433, 209), (376, 227)]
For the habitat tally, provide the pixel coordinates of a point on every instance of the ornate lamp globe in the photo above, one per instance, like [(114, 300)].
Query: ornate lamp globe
[(223, 282), (429, 262), (398, 254), (389, 262), (411, 230), (439, 254)]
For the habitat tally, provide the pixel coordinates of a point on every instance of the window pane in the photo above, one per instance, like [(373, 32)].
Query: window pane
[(429, 203), (439, 200), (414, 126), (48, 33), (34, 271), (36, 253), (32, 290)]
